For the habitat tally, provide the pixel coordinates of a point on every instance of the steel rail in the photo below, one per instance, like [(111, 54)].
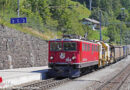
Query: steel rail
[(116, 81), (40, 84)]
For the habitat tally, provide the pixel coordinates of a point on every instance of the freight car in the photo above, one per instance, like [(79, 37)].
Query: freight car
[(72, 57), (128, 49), (125, 51), (116, 52)]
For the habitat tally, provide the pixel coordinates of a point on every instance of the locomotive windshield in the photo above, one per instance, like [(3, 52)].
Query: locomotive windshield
[(55, 46), (69, 46)]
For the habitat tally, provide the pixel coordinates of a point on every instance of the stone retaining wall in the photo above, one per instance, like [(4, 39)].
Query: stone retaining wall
[(19, 50)]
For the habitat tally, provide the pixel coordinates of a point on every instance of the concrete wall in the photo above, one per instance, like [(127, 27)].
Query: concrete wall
[(19, 50)]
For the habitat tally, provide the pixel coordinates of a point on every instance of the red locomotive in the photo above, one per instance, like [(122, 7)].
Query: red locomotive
[(70, 57)]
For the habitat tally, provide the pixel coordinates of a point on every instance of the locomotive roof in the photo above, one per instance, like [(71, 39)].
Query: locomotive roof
[(72, 40)]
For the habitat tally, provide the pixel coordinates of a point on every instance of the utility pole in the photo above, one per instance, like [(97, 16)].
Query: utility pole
[(18, 7), (121, 33), (126, 38), (122, 17), (90, 4), (100, 25)]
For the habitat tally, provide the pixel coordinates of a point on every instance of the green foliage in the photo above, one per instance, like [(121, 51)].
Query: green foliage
[(40, 6), (126, 4), (64, 16), (111, 10), (116, 31), (57, 15)]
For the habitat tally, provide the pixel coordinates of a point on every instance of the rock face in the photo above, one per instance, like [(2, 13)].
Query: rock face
[(19, 50)]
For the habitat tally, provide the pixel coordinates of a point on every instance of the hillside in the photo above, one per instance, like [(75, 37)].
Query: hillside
[(51, 18), (114, 12)]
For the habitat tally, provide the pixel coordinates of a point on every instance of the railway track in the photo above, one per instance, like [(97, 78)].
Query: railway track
[(117, 81), (114, 83), (41, 84)]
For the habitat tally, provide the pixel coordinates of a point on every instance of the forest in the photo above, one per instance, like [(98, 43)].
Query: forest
[(53, 18)]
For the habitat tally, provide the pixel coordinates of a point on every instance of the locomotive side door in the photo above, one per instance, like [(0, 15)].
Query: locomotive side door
[(84, 52)]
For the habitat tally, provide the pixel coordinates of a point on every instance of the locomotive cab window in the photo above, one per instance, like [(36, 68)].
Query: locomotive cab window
[(93, 47), (55, 46), (69, 46), (88, 47), (97, 48), (85, 47)]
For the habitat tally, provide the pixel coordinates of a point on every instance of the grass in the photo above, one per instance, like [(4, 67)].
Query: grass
[(46, 35)]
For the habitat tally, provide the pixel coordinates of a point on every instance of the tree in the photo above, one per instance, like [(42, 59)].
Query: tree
[(116, 6), (44, 10), (126, 4), (41, 6), (61, 13)]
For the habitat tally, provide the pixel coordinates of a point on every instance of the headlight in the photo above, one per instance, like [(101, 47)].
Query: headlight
[(51, 57), (73, 57)]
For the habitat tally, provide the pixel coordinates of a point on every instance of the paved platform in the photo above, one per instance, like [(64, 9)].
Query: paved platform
[(19, 76)]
